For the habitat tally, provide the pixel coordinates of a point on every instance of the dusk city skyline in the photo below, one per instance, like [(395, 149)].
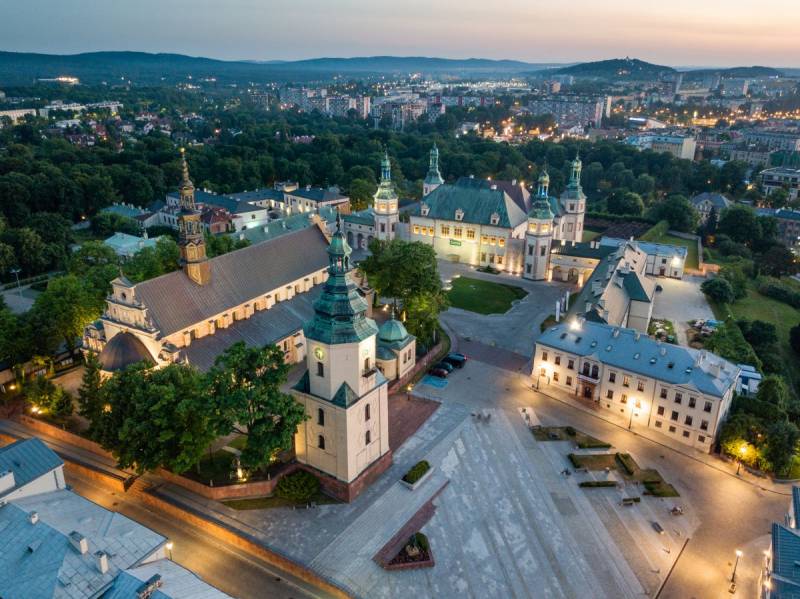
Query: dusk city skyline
[(679, 33)]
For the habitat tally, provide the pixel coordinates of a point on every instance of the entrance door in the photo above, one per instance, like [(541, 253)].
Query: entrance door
[(662, 271)]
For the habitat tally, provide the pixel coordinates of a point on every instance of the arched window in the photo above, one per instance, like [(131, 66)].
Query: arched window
[(366, 364), (594, 371), (321, 442), (320, 417), (366, 412), (368, 437)]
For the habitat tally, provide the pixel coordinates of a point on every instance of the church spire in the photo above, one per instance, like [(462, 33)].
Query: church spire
[(186, 187), (575, 176), (386, 168), (191, 240), (544, 183), (434, 177)]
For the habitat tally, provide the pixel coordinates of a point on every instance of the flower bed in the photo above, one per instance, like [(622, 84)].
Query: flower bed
[(414, 554)]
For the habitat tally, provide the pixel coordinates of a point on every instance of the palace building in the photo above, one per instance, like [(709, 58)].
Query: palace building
[(343, 391), (681, 392), (262, 294)]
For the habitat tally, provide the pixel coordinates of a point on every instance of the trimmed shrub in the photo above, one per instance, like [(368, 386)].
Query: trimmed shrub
[(593, 484), (420, 540), (628, 463), (575, 460), (417, 472), (298, 486)]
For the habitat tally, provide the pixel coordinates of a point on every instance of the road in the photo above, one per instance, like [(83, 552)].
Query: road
[(224, 566)]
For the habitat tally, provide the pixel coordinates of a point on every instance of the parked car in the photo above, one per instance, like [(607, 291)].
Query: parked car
[(444, 365), (659, 288), (658, 528), (438, 372), (456, 359)]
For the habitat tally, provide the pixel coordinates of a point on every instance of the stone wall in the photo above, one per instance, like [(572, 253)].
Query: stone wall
[(397, 385)]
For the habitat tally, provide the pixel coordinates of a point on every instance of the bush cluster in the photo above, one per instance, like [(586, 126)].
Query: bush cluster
[(417, 472), (298, 486)]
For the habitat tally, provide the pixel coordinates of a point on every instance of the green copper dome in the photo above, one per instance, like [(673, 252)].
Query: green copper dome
[(392, 330), (540, 210)]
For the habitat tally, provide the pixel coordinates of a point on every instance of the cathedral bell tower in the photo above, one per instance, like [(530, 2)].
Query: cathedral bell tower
[(190, 232), (342, 391), (434, 178), (573, 204), (385, 203), (539, 234)]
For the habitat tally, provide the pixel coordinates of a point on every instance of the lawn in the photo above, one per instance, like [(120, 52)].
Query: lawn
[(667, 239), (483, 297), (759, 307), (567, 433)]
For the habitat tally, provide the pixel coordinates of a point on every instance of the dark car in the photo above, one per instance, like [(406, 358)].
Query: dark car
[(438, 372), (659, 288), (445, 366), (456, 359)]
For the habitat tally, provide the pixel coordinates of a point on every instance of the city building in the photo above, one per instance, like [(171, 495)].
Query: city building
[(58, 544), (261, 294), (127, 246), (786, 141), (705, 202), (342, 390), (781, 177), (780, 576), (680, 146), (570, 110), (311, 199), (379, 221), (16, 115), (662, 260), (678, 391), (788, 224)]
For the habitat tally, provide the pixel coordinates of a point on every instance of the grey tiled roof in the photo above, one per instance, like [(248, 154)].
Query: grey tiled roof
[(38, 560), (718, 201), (176, 583), (265, 193), (632, 351), (175, 302), (785, 559), (28, 459), (648, 247), (262, 328), (476, 201)]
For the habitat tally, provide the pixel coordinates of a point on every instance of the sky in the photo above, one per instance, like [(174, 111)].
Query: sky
[(672, 32)]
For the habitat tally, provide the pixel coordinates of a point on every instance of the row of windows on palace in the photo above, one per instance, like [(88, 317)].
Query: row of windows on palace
[(321, 422), (458, 233)]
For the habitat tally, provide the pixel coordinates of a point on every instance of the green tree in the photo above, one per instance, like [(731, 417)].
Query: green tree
[(739, 222), (625, 202), (161, 417), (773, 389), (63, 310), (678, 211), (794, 338), (778, 261), (245, 383), (782, 438), (90, 393), (361, 192), (719, 290), (422, 315)]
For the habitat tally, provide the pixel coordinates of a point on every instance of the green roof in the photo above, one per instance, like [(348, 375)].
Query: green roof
[(392, 330), (583, 250), (477, 202), (634, 288), (541, 210), (363, 217)]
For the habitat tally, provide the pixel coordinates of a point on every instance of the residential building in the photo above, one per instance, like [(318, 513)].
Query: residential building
[(705, 202), (311, 199), (780, 576), (58, 544), (786, 141), (342, 390), (662, 260), (788, 224), (127, 246), (16, 115), (570, 110), (678, 391), (781, 177), (680, 146)]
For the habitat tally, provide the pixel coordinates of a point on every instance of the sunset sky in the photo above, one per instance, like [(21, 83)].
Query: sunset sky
[(674, 32)]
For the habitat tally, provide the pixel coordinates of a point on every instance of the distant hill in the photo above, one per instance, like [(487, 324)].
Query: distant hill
[(746, 72), (616, 68), (144, 68)]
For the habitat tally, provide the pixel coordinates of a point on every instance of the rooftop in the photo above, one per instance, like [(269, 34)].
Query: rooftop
[(635, 352), (28, 459), (175, 581)]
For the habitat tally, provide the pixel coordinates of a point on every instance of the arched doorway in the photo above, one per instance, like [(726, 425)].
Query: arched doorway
[(360, 238), (350, 238)]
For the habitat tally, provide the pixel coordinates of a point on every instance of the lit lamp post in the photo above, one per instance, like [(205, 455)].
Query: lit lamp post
[(15, 272), (169, 546), (736, 565), (742, 451)]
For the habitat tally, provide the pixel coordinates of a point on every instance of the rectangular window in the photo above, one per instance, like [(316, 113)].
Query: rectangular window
[(609, 394), (368, 438), (640, 386), (624, 398), (555, 376), (500, 259), (686, 434), (320, 417), (569, 381), (544, 356), (445, 230), (660, 410), (707, 407), (674, 416), (692, 402), (678, 398), (557, 360), (528, 268), (383, 227), (704, 425), (658, 424), (416, 229), (626, 381), (688, 421), (701, 438), (491, 258), (470, 233), (483, 256), (456, 231), (571, 364), (492, 240), (542, 250), (663, 393), (530, 250), (672, 429), (612, 377), (366, 413), (501, 242), (320, 369)]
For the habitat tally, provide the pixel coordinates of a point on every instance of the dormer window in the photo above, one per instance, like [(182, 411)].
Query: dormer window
[(495, 219), (459, 214), (424, 209)]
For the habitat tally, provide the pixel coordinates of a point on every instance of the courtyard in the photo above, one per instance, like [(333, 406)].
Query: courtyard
[(482, 296), (680, 302)]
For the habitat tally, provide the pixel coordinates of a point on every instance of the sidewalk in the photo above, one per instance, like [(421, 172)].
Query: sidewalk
[(708, 460)]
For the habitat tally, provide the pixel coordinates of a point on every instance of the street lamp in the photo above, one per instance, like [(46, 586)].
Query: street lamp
[(742, 451), (735, 565), (169, 546)]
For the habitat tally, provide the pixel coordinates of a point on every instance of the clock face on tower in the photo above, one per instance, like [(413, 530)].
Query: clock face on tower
[(319, 353)]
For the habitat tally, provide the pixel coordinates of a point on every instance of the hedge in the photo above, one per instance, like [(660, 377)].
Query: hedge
[(299, 486), (597, 483), (620, 217), (659, 230), (627, 462), (780, 291), (417, 472)]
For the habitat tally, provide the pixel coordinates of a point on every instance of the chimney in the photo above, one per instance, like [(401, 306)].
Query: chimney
[(101, 558), (493, 187), (7, 480), (33, 517), (513, 181), (663, 351), (615, 333), (79, 542)]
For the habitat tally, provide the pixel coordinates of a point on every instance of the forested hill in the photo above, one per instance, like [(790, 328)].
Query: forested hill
[(144, 68), (617, 68)]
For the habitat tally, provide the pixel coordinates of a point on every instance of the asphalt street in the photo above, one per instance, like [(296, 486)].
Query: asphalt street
[(228, 568)]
